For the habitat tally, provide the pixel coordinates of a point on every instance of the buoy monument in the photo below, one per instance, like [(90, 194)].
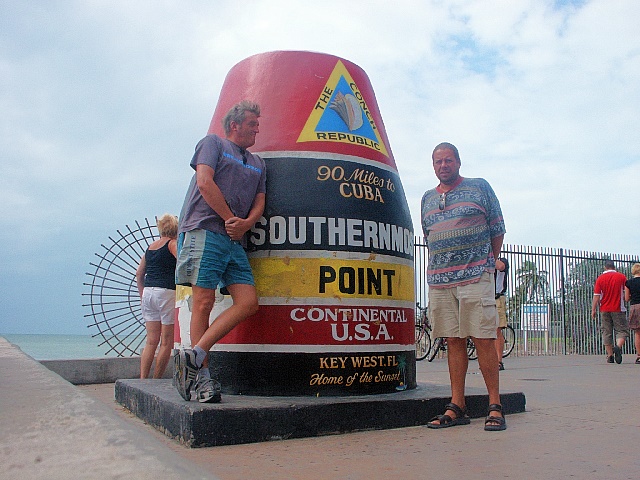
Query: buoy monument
[(332, 255)]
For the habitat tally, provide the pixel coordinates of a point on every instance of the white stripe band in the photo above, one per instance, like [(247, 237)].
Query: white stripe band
[(346, 302), (310, 348), (327, 156)]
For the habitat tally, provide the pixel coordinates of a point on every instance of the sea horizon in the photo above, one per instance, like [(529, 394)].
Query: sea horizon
[(60, 346)]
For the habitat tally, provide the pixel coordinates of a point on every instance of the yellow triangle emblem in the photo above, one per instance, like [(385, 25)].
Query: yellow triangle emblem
[(341, 115)]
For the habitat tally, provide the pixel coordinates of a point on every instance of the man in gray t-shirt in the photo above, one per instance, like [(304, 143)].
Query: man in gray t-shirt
[(225, 199), (239, 175)]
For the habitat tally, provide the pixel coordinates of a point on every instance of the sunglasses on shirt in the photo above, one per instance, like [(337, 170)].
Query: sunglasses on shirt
[(443, 201)]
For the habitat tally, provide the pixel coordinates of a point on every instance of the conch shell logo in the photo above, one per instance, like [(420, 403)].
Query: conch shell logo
[(348, 108), (341, 115)]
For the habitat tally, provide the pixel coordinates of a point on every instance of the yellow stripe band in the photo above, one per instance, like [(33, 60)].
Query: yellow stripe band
[(332, 278)]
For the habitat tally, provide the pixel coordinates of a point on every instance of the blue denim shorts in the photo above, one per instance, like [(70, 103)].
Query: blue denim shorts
[(208, 260)]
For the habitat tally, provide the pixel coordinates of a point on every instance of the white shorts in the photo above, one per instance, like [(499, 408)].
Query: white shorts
[(158, 305)]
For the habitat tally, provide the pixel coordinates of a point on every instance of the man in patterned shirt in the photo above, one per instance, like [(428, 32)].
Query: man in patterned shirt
[(463, 226)]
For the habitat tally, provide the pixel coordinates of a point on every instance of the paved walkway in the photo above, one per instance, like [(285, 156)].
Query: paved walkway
[(582, 421), (51, 429)]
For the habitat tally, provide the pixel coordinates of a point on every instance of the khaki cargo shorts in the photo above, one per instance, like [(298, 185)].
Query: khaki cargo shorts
[(465, 311)]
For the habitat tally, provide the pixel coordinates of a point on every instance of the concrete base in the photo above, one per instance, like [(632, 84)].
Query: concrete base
[(99, 370), (247, 419)]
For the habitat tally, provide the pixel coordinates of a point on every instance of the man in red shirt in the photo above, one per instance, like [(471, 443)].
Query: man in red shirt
[(608, 294)]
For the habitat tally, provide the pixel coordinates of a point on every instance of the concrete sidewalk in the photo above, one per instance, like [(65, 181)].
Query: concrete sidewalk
[(582, 421), (51, 429)]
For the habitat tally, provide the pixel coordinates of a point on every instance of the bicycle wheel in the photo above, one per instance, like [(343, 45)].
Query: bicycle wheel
[(471, 350), (423, 342), (509, 340), (437, 345)]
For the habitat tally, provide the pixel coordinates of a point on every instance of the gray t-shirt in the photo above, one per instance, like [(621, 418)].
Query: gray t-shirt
[(239, 181)]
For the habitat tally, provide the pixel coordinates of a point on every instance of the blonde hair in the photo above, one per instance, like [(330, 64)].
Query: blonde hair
[(168, 225), (635, 269)]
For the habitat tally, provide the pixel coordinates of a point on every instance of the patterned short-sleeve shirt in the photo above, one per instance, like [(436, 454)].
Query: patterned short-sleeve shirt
[(459, 236)]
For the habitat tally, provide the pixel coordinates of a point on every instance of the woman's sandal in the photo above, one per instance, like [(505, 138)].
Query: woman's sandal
[(461, 418), (638, 359), (494, 424)]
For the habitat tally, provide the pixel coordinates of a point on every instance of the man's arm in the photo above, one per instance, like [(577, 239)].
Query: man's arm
[(211, 192), (496, 246), (236, 227), (140, 272), (594, 305)]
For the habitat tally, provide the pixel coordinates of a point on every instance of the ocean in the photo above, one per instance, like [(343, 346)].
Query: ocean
[(61, 347)]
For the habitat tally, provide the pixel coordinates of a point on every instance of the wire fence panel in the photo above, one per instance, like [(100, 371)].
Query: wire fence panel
[(549, 297), (114, 300)]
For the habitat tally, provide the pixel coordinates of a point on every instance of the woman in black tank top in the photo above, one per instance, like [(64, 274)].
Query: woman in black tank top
[(632, 295), (156, 285)]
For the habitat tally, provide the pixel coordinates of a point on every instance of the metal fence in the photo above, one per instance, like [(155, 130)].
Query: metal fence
[(549, 297)]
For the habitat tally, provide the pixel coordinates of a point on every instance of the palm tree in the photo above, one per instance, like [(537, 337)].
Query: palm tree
[(402, 367), (531, 287), (532, 284)]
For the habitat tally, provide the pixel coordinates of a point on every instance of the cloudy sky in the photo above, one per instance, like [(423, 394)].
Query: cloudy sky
[(102, 102)]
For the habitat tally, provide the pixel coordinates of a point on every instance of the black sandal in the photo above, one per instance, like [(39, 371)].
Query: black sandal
[(494, 424), (462, 417)]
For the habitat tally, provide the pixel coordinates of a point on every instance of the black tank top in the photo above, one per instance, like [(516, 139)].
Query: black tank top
[(633, 284), (161, 268)]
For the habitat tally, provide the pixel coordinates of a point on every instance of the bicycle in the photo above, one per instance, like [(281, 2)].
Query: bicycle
[(440, 345), (509, 335), (423, 337), (426, 349)]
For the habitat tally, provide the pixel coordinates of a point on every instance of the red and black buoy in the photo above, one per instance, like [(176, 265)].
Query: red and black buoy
[(333, 253)]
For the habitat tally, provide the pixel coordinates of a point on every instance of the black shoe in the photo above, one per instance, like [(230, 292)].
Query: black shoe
[(492, 423), (617, 354), (500, 366), (610, 359), (445, 421)]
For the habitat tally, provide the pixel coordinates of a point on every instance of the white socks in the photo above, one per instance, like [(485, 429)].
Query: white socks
[(200, 355)]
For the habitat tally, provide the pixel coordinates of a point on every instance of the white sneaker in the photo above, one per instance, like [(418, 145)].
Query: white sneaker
[(208, 390), (185, 372)]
